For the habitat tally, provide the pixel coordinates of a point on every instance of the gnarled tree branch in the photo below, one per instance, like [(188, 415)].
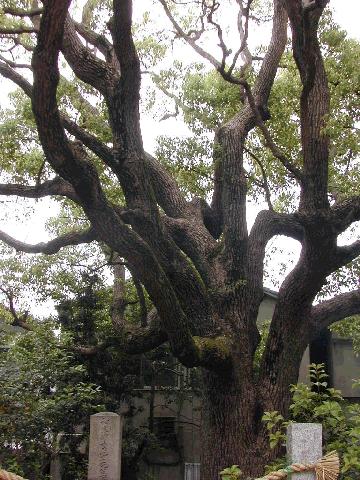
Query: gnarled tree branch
[(53, 246), (17, 12), (71, 165), (334, 310), (346, 254), (57, 186), (19, 320), (84, 63), (17, 30)]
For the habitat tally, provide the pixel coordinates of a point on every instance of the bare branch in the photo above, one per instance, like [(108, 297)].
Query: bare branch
[(127, 93), (14, 64), (133, 341), (195, 242), (345, 213), (53, 246), (22, 13), (83, 176), (314, 101), (165, 186), (347, 254), (265, 183), (17, 30), (57, 186), (8, 72), (225, 51), (226, 73), (166, 189), (244, 33), (84, 63), (90, 141), (275, 150), (232, 137), (18, 41), (40, 172), (334, 310), (98, 41), (18, 320), (142, 300), (167, 92), (68, 160), (189, 39), (267, 225)]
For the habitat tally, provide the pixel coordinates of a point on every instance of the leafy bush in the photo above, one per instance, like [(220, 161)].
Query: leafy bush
[(43, 392), (318, 403)]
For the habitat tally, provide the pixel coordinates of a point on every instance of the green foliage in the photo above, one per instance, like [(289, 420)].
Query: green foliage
[(207, 102), (187, 160), (47, 386), (151, 44), (231, 473), (273, 420), (35, 279), (42, 393), (22, 156), (210, 100), (349, 328), (264, 333), (318, 403), (95, 13)]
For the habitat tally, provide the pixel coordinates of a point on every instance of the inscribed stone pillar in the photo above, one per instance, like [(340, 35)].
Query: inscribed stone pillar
[(304, 445), (55, 468), (105, 446)]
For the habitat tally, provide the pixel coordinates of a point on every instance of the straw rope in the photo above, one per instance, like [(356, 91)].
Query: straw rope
[(325, 469), (9, 476)]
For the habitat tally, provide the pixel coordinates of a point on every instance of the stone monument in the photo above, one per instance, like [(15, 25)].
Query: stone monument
[(304, 445), (105, 446)]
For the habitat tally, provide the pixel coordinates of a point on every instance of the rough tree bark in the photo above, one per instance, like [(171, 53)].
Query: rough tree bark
[(201, 266)]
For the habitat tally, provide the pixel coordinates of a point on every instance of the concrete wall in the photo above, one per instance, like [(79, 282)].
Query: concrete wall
[(346, 367), (266, 311)]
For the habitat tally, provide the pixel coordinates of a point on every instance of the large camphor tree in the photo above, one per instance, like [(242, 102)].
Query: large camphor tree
[(201, 266)]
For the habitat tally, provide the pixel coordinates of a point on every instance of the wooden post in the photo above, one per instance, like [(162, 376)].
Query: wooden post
[(304, 445)]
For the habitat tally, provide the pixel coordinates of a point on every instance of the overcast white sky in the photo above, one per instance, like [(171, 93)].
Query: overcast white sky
[(347, 14)]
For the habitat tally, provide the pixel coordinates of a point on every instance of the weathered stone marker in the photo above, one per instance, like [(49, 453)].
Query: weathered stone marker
[(304, 445), (105, 446)]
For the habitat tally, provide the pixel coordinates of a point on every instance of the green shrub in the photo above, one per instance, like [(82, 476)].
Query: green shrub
[(318, 403)]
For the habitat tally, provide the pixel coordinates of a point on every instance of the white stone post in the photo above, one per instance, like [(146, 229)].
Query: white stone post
[(105, 446), (304, 445)]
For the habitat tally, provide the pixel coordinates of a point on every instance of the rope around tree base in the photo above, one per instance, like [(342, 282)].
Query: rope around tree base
[(325, 469), (9, 476)]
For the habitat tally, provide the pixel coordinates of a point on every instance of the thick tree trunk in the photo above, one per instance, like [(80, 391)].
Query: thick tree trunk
[(232, 432)]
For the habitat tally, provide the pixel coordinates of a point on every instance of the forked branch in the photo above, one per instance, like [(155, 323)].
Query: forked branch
[(275, 150), (19, 320)]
